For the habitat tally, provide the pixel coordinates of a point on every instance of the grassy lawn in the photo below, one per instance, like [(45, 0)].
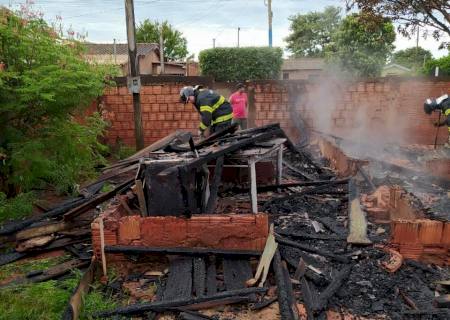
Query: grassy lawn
[(46, 300)]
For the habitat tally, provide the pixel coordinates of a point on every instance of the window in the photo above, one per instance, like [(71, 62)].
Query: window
[(285, 75)]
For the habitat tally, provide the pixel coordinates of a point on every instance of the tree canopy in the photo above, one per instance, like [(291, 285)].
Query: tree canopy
[(312, 32), (409, 13), (175, 45), (413, 58), (239, 64), (443, 64), (44, 83), (360, 48)]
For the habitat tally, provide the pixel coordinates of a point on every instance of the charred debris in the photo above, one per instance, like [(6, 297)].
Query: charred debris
[(323, 257)]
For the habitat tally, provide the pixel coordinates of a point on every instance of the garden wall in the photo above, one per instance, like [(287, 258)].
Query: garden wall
[(371, 111)]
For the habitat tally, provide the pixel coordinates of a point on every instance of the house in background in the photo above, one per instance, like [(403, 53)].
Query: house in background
[(394, 69), (148, 55), (302, 68)]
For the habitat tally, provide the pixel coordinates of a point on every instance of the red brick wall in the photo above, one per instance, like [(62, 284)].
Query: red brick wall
[(385, 110)]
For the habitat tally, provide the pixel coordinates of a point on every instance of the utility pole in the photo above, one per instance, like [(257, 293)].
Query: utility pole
[(270, 16), (214, 42), (134, 80), (115, 52), (161, 49), (417, 46), (239, 29)]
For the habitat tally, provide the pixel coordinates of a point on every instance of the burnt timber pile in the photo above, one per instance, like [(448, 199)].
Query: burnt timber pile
[(240, 225)]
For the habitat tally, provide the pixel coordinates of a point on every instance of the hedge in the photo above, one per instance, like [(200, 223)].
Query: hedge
[(443, 64), (239, 64)]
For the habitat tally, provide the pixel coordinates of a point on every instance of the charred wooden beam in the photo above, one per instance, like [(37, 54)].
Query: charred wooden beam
[(213, 138), (97, 200), (308, 248), (49, 228), (142, 308), (11, 257), (310, 298), (212, 201), (263, 304), (333, 287), (284, 290), (199, 276), (179, 283), (304, 235), (298, 171), (211, 277), (181, 251)]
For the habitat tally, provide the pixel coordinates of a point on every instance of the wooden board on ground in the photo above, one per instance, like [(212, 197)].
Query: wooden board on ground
[(179, 283)]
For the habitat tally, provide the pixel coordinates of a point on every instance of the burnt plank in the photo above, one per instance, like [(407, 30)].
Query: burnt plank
[(212, 201), (284, 289), (199, 276), (179, 250), (11, 257), (236, 272), (211, 280), (179, 283), (334, 286)]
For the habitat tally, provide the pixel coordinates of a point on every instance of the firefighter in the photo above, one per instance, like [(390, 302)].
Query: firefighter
[(441, 104), (216, 112)]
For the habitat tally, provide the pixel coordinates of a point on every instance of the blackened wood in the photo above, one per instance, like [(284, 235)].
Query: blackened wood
[(289, 291), (304, 235), (301, 270), (199, 276), (11, 257), (284, 301), (442, 301), (212, 201), (16, 226), (193, 316), (293, 185), (308, 248), (213, 137), (427, 312), (179, 283), (309, 298), (332, 225), (218, 302), (298, 171), (263, 304), (49, 228), (165, 305), (182, 251), (236, 273), (92, 203), (333, 287), (187, 178), (211, 280)]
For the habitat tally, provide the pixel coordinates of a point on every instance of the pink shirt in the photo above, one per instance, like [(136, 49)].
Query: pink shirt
[(239, 103)]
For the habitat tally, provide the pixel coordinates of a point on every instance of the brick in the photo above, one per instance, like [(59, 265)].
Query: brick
[(446, 234), (405, 232), (430, 231), (129, 229)]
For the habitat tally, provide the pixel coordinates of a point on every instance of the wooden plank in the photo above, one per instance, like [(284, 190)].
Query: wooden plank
[(212, 201), (142, 308), (181, 251), (253, 191), (236, 273), (199, 276), (357, 217), (49, 228), (73, 309), (97, 200), (141, 198), (211, 280), (280, 164), (179, 283), (287, 312)]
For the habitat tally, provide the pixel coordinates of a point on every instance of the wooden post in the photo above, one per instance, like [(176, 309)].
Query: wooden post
[(280, 165), (253, 190), (161, 49), (134, 82)]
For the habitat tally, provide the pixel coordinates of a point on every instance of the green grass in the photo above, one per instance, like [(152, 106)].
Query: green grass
[(17, 207), (47, 300)]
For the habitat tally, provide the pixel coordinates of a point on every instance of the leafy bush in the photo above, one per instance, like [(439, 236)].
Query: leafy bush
[(238, 64), (45, 83), (443, 64)]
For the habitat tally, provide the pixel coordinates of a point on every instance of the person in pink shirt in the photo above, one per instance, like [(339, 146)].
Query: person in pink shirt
[(239, 102)]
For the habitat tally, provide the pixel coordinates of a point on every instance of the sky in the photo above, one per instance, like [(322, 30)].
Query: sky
[(200, 21)]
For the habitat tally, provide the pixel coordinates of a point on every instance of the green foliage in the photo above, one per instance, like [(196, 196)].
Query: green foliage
[(175, 45), (17, 207), (98, 299), (412, 58), (312, 32), (360, 48), (45, 83), (238, 64), (443, 64)]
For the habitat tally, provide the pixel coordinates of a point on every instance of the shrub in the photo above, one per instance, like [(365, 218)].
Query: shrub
[(443, 64), (238, 64)]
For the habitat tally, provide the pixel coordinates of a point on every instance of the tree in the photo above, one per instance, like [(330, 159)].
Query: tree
[(175, 45), (413, 58), (443, 64), (239, 64), (410, 14), (360, 48), (311, 32), (44, 84)]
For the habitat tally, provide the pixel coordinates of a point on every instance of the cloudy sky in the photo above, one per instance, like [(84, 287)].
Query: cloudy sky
[(199, 20)]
